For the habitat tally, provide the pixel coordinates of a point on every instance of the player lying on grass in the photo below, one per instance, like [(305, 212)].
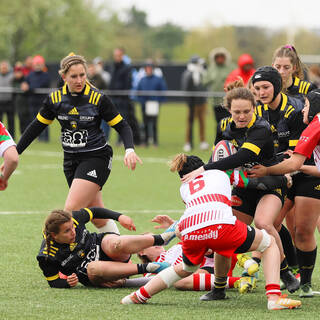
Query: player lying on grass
[(208, 223), (90, 258)]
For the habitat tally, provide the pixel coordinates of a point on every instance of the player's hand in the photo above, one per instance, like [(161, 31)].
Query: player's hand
[(113, 284), (191, 175), (72, 280), (3, 184), (163, 220), (289, 152), (257, 171), (131, 159), (289, 180), (127, 222)]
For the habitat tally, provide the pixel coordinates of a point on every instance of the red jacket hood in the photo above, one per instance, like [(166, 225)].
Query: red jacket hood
[(245, 59)]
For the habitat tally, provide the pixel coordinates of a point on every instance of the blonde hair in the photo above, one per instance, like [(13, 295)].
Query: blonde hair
[(176, 164), (289, 51)]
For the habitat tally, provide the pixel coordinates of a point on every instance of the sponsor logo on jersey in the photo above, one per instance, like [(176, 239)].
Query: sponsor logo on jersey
[(212, 235), (317, 187), (72, 246), (278, 190), (73, 111), (80, 253), (73, 124), (92, 173), (236, 201), (60, 117), (86, 118)]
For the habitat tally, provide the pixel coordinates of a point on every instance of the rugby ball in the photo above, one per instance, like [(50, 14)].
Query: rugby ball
[(223, 149)]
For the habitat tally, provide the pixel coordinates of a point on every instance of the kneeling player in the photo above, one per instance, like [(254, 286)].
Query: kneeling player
[(91, 258), (208, 223)]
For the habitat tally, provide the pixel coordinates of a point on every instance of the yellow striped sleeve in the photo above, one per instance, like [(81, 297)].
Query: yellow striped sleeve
[(52, 97), (307, 88), (91, 96), (90, 213), (115, 120), (293, 143), (94, 97), (75, 221), (97, 99), (252, 147), (289, 111), (43, 120), (55, 277), (59, 96)]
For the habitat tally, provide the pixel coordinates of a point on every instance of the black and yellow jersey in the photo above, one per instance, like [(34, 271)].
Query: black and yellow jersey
[(80, 117), (286, 122), (300, 88), (256, 137), (74, 257)]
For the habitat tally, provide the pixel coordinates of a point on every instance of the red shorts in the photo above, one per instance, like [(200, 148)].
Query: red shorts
[(221, 238)]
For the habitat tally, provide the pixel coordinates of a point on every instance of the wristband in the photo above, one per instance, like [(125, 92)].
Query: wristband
[(129, 150)]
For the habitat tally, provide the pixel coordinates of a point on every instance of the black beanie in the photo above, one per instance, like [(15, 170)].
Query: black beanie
[(270, 74), (193, 163), (314, 100)]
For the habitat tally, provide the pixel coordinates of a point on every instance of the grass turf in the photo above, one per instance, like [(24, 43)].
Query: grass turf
[(39, 186)]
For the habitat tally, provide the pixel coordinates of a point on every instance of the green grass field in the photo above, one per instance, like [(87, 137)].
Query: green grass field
[(38, 186)]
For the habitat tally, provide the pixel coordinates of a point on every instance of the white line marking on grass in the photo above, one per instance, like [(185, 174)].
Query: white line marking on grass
[(117, 158), (155, 211)]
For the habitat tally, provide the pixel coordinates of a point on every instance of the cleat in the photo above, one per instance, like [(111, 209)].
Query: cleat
[(291, 283), (306, 291), (250, 266), (245, 284), (156, 267), (283, 303), (170, 233), (131, 299), (214, 295)]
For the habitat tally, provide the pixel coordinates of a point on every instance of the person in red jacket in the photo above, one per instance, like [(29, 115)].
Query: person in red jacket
[(245, 70)]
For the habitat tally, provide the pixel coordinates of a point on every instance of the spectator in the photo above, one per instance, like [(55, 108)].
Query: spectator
[(106, 77), (20, 100), (192, 80), (6, 103), (245, 70), (314, 74), (220, 66), (27, 67), (39, 78), (121, 80), (95, 77), (150, 104)]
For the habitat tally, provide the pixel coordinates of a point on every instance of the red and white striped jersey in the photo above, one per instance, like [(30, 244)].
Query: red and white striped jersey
[(208, 201), (309, 141), (5, 139)]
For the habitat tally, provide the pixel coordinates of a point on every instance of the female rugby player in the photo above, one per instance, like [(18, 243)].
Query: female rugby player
[(79, 107), (208, 223), (286, 119), (90, 258)]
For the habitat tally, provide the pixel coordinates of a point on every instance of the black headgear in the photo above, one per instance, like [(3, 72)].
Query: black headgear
[(193, 163), (314, 100), (270, 74)]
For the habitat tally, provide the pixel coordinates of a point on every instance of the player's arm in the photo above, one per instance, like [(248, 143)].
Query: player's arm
[(42, 120), (11, 159), (103, 213), (310, 170)]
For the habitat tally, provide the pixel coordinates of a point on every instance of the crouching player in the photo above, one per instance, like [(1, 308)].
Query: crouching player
[(208, 223), (90, 258)]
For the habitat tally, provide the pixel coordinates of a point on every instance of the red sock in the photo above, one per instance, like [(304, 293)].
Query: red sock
[(273, 289), (231, 281), (233, 264), (142, 295), (203, 281)]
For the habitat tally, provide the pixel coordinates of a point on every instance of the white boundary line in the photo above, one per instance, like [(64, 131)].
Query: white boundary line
[(155, 211)]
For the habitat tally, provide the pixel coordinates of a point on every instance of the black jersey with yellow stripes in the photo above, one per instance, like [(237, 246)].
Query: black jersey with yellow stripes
[(286, 122), (256, 137), (80, 117), (300, 88), (67, 258)]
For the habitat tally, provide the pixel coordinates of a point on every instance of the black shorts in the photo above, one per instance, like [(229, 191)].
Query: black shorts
[(304, 186), (96, 253), (94, 166), (246, 200)]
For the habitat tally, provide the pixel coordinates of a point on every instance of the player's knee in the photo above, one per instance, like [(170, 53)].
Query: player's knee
[(265, 242), (115, 245), (189, 268), (262, 225), (93, 270)]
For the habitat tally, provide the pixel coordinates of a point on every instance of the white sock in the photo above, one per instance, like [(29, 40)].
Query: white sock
[(110, 226)]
